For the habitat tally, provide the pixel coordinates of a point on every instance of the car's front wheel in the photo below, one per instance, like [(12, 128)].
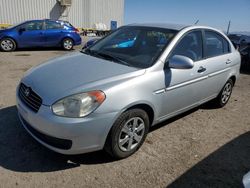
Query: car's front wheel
[(128, 133), (67, 44), (7, 45)]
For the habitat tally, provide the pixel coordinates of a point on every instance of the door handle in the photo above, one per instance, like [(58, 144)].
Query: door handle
[(228, 61), (201, 69)]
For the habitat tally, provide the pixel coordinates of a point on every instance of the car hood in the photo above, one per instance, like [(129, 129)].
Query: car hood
[(74, 73), (4, 30)]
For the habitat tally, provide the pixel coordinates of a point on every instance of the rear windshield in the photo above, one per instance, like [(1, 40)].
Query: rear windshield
[(68, 24)]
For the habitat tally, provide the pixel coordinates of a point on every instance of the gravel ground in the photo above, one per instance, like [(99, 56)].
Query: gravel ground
[(205, 147)]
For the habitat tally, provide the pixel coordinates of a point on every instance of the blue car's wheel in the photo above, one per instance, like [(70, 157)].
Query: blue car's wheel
[(67, 44), (7, 45)]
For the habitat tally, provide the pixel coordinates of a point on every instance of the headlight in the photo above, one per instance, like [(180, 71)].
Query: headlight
[(78, 105)]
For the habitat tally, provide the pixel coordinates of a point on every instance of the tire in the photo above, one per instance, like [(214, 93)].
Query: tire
[(7, 45), (225, 94), (127, 134), (67, 44)]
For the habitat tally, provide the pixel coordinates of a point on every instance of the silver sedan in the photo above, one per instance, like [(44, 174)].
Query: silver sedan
[(108, 95)]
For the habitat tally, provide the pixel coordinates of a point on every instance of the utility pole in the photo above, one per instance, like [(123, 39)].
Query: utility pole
[(228, 27)]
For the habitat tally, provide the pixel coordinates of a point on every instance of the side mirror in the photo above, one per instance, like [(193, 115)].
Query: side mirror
[(180, 62)]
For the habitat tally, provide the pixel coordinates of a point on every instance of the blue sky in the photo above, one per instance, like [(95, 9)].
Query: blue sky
[(215, 13)]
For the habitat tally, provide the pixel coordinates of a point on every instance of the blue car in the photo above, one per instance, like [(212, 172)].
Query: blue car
[(40, 33)]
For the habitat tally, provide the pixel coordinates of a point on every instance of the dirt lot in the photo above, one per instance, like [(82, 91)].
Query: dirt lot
[(205, 147)]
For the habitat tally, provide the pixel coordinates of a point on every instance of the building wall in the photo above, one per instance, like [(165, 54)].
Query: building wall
[(82, 13)]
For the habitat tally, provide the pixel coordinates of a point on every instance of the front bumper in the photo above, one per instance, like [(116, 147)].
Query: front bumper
[(85, 134)]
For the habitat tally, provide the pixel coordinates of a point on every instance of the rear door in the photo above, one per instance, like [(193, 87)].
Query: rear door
[(218, 58), (53, 32), (31, 34)]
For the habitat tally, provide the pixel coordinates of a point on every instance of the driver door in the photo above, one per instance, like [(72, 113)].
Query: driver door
[(31, 34), (184, 88)]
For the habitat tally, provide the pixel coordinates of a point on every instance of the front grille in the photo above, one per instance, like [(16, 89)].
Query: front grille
[(52, 141), (29, 97)]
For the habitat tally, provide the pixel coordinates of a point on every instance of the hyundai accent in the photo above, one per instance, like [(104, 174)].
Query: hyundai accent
[(108, 95)]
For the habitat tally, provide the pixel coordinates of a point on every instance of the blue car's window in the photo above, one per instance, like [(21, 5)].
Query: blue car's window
[(137, 46), (190, 46), (53, 25), (35, 25)]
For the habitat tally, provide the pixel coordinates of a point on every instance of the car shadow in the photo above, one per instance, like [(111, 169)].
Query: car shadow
[(223, 168), (20, 152)]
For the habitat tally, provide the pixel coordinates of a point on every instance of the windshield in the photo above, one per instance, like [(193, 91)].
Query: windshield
[(132, 45)]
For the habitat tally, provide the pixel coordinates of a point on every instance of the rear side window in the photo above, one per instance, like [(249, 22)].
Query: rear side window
[(190, 46), (53, 25), (215, 44)]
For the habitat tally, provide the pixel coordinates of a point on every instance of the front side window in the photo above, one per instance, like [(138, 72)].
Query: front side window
[(36, 25), (136, 46), (190, 46), (215, 44), (53, 25)]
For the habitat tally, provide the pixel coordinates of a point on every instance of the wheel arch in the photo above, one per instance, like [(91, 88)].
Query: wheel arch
[(147, 108), (67, 37), (233, 78), (143, 106)]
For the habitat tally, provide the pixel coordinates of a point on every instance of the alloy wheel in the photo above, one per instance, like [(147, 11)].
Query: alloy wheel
[(131, 134), (67, 44), (226, 93), (7, 45)]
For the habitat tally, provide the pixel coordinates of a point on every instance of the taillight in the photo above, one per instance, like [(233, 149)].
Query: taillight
[(76, 30)]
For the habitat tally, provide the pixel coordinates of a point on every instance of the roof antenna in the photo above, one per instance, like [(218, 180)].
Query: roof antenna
[(196, 22), (228, 27)]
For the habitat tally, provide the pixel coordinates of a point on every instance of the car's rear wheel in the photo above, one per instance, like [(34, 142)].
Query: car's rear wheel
[(128, 133), (7, 45), (67, 44), (225, 94)]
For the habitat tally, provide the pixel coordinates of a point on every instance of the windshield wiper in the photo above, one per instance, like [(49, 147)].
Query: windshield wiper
[(112, 58), (105, 56)]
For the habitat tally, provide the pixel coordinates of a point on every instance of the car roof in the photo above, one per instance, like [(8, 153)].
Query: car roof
[(45, 20), (177, 27)]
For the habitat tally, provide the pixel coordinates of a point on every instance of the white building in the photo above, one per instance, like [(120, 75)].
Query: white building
[(80, 13)]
